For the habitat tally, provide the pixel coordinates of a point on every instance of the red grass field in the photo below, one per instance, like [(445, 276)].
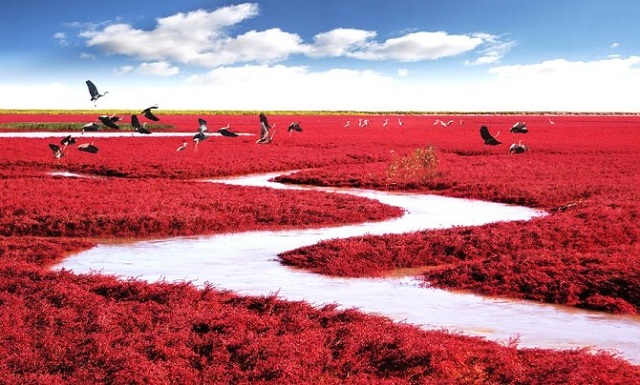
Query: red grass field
[(56, 327)]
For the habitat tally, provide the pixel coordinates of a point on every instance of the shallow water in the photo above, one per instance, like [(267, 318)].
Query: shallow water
[(246, 263)]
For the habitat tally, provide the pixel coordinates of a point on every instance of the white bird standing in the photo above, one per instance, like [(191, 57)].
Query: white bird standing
[(347, 123), (400, 123), (386, 123)]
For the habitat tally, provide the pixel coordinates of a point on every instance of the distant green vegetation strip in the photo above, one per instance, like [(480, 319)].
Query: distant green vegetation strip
[(69, 126)]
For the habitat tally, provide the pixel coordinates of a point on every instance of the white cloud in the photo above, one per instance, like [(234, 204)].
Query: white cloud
[(282, 87), (339, 42), (493, 51), (555, 85), (61, 38), (202, 38), (160, 68), (615, 45), (123, 70), (418, 46), (192, 37), (403, 72), (86, 55)]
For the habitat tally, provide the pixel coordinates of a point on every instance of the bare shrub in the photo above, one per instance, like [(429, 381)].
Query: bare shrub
[(418, 166)]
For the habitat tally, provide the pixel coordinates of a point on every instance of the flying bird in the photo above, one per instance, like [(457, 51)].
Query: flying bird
[(67, 140), (93, 90), (266, 136), (149, 115), (295, 126), (110, 120), (137, 127), (517, 148), (519, 128), (488, 138), (88, 147), (224, 131), (93, 126), (57, 151), (200, 135), (202, 125)]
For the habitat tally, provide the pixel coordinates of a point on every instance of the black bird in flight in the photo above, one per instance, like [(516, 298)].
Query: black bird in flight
[(519, 128), (266, 135), (224, 131), (149, 115), (295, 126), (88, 147), (137, 127), (93, 91), (110, 121), (57, 151), (488, 138)]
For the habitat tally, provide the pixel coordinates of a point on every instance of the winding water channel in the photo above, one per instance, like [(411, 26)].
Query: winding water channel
[(246, 263)]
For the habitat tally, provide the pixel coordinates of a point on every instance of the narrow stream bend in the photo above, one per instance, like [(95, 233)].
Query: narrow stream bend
[(246, 263)]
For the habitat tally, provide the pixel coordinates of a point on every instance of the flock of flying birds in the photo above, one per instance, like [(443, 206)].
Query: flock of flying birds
[(267, 131)]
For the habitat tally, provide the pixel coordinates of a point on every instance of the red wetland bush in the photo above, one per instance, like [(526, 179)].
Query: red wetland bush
[(58, 327)]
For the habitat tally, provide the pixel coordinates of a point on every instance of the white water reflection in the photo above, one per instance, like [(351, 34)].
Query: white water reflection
[(246, 263)]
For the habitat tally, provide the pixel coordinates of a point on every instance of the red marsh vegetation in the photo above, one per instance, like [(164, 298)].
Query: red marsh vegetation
[(58, 327)]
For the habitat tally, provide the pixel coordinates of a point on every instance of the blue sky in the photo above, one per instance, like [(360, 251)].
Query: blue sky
[(373, 55)]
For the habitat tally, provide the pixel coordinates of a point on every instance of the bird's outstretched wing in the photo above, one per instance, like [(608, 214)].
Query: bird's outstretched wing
[(487, 137), (149, 115), (54, 147), (264, 120), (224, 131), (199, 137), (88, 147), (109, 121), (203, 125), (93, 90), (519, 128), (295, 126), (93, 126), (135, 122), (67, 140)]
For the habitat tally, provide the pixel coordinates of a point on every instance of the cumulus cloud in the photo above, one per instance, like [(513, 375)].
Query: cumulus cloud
[(272, 87), (562, 69), (203, 38), (418, 46), (61, 37), (160, 68), (340, 42), (195, 37), (494, 49)]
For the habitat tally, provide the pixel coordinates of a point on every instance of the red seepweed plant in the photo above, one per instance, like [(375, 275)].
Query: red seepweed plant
[(58, 327)]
